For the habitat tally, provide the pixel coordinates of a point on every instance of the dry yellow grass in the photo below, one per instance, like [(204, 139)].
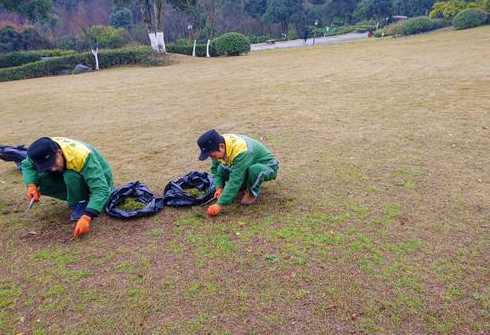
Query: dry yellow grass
[(388, 138)]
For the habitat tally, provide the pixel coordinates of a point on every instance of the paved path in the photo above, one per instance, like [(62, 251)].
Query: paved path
[(318, 40)]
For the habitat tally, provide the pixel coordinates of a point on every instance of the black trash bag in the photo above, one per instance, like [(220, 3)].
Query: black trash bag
[(133, 190), (13, 154), (175, 194)]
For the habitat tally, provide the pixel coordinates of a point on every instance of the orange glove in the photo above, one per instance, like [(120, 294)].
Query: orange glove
[(214, 210), (218, 192), (83, 226), (33, 193)]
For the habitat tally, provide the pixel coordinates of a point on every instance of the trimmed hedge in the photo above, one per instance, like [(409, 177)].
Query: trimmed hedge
[(420, 24), (470, 18), (59, 65), (18, 58), (361, 27), (411, 26), (231, 44), (187, 49), (123, 56)]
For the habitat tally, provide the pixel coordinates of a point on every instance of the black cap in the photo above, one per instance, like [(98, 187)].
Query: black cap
[(209, 142), (43, 153)]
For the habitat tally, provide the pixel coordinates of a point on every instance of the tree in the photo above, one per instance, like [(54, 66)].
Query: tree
[(153, 11), (29, 39), (411, 7), (343, 9), (255, 8), (284, 12), (33, 10), (122, 18), (377, 9), (67, 4)]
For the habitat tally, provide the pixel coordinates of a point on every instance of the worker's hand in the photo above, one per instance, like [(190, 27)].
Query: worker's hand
[(214, 210), (83, 226), (33, 193), (218, 192)]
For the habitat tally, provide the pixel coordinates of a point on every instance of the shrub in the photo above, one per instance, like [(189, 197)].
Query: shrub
[(18, 58), (58, 65), (470, 18), (231, 44)]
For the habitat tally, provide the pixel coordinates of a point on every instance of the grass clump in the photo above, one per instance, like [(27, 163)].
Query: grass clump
[(131, 205), (195, 192)]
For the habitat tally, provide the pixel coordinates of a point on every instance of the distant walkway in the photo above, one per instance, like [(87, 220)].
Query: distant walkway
[(318, 40)]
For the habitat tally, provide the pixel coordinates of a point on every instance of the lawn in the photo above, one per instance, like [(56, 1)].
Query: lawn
[(378, 222)]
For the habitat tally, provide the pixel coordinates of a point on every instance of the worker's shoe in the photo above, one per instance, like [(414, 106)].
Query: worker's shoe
[(77, 210), (248, 199)]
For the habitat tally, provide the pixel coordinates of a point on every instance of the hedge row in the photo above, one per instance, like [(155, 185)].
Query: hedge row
[(18, 58), (421, 24), (333, 31), (228, 44), (187, 49), (411, 26), (59, 65)]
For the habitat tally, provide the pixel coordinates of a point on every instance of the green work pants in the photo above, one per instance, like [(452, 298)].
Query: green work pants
[(256, 174), (69, 186)]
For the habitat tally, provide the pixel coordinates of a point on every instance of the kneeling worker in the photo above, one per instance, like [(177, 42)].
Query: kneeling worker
[(238, 163), (68, 170)]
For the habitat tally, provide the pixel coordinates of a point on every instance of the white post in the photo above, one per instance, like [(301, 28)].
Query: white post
[(207, 49), (194, 49), (95, 53)]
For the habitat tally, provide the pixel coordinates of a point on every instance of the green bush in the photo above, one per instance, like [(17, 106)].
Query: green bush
[(470, 18), (231, 44), (411, 26), (59, 65), (18, 58), (420, 24)]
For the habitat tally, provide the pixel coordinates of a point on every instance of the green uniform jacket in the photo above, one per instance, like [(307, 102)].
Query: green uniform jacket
[(241, 153), (85, 160)]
